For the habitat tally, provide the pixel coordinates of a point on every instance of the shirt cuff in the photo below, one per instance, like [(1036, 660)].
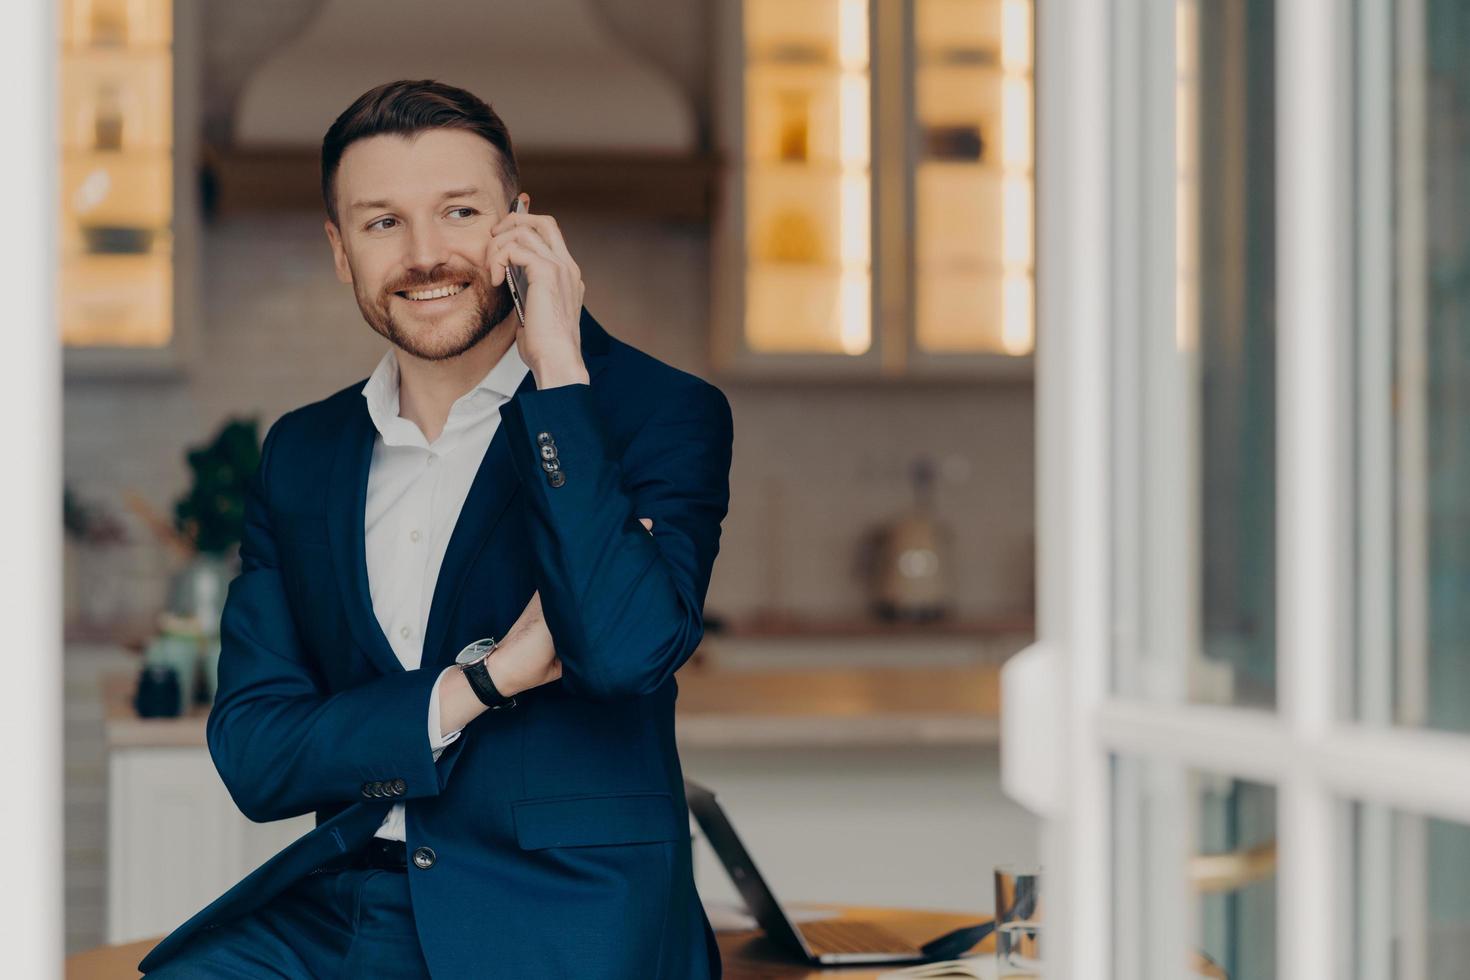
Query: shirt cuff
[(436, 742)]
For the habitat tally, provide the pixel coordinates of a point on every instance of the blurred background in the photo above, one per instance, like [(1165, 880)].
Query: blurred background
[(850, 262), (838, 212)]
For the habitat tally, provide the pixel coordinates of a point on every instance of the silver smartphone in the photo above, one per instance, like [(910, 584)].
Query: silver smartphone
[(515, 275)]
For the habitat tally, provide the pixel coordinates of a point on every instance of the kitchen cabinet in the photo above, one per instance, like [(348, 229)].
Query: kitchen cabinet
[(877, 216), (175, 840), (128, 218)]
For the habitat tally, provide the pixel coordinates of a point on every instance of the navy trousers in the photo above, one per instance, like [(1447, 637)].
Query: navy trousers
[(351, 923)]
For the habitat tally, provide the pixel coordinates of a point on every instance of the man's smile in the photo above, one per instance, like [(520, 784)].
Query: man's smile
[(432, 293)]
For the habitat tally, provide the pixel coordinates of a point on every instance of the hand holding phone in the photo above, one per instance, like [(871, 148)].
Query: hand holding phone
[(530, 247)]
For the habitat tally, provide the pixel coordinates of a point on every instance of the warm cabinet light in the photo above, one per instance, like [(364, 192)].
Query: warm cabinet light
[(1017, 327), (958, 201), (116, 144), (854, 315), (974, 189), (1015, 35), (852, 36), (808, 183)]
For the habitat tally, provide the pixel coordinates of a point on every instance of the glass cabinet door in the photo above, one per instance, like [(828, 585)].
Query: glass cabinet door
[(126, 212), (972, 184), (807, 178), (878, 210)]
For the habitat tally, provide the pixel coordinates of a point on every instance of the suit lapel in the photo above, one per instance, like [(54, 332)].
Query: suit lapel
[(494, 486), (346, 517)]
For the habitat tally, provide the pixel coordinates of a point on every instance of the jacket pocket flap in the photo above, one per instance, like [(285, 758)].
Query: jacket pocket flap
[(579, 821)]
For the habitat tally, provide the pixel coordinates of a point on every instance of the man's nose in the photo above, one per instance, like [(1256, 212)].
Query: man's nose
[(428, 248)]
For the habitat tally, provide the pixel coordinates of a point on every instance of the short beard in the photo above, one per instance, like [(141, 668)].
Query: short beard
[(491, 307)]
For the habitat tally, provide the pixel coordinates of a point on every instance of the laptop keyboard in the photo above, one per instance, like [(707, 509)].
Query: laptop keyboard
[(847, 936)]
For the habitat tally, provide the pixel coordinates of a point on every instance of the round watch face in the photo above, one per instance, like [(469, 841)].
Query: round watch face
[(475, 651)]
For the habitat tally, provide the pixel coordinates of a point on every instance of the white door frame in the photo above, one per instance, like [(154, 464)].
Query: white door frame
[(1100, 239), (30, 574)]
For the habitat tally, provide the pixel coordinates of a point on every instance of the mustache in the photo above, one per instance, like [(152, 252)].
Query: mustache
[(474, 277)]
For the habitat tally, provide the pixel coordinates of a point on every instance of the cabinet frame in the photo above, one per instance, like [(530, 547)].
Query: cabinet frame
[(174, 360), (893, 354)]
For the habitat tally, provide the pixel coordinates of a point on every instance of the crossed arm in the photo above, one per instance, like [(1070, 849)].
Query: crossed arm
[(624, 605)]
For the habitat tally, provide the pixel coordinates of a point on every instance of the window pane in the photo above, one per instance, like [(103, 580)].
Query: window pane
[(1194, 874), (1196, 384), (1413, 371), (1412, 877)]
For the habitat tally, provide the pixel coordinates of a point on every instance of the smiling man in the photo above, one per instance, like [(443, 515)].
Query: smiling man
[(467, 582)]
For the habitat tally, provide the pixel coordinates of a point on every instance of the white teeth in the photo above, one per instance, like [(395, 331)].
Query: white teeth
[(433, 293)]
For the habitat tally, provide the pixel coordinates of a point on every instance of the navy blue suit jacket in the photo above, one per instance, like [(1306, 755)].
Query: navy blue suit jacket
[(559, 827)]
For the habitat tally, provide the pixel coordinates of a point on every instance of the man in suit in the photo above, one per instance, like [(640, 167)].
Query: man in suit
[(519, 815)]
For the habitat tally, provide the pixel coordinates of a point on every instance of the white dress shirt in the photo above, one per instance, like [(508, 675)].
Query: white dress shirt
[(414, 495)]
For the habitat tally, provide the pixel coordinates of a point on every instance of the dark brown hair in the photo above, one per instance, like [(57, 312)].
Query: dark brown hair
[(406, 107)]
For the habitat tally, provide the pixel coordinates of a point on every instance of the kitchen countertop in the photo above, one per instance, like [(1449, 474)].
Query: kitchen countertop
[(723, 704)]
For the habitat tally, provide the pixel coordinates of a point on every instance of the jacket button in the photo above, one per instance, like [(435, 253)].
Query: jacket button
[(398, 787), (544, 439), (367, 789), (556, 478), (424, 857), (550, 465), (548, 451)]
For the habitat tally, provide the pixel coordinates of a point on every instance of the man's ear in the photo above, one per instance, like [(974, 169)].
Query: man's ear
[(339, 254)]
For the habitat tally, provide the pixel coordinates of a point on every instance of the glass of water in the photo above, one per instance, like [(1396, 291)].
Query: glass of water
[(1017, 922)]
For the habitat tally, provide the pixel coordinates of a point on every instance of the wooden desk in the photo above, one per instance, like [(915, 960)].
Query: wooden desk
[(746, 955), (109, 962)]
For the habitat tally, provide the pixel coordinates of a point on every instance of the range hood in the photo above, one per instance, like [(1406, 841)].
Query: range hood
[(551, 68)]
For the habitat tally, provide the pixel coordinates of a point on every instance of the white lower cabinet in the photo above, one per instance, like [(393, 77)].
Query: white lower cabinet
[(176, 842)]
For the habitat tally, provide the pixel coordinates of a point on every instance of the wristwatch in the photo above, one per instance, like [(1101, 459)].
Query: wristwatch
[(472, 661)]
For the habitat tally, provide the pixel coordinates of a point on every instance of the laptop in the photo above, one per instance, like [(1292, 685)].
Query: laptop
[(823, 942)]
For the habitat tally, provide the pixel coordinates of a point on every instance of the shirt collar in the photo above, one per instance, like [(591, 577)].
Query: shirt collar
[(381, 392)]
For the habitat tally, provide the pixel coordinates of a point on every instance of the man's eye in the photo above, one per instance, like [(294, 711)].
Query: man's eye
[(375, 224), (468, 211)]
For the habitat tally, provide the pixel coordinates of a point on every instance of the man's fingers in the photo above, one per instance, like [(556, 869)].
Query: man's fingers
[(528, 238), (647, 522), (544, 225)]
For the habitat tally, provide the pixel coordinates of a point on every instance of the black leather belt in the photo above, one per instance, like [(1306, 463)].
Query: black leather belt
[(390, 855)]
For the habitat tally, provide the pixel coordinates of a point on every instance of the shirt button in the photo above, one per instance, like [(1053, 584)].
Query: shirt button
[(404, 632), (414, 534)]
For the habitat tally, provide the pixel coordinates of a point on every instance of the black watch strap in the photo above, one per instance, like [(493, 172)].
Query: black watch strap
[(478, 674)]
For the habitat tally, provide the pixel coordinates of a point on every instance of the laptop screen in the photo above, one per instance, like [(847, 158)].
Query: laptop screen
[(741, 868)]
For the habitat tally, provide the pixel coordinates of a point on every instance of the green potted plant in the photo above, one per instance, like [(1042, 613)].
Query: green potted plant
[(211, 516)]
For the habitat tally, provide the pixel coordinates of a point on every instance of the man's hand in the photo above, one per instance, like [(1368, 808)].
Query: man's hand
[(550, 341), (526, 658)]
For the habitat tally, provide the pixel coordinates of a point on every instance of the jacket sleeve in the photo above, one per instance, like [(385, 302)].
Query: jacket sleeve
[(625, 607), (282, 744)]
